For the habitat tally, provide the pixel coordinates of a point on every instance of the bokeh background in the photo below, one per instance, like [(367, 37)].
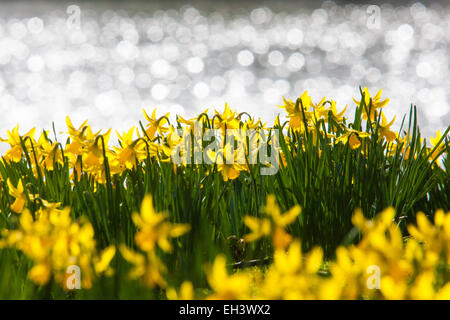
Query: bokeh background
[(107, 60)]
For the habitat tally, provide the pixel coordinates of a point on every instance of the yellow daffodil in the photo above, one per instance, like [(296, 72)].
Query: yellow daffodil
[(224, 286), (186, 292), (131, 151), (385, 129), (50, 153), (376, 104), (353, 138), (19, 194), (146, 267), (54, 242), (295, 112), (155, 125), (226, 120), (153, 229), (273, 223), (435, 144), (102, 263), (16, 151)]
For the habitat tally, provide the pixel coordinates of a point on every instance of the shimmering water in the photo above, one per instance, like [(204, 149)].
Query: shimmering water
[(123, 57)]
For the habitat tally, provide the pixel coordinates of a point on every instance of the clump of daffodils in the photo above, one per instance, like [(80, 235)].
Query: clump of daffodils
[(88, 152), (154, 231), (55, 243), (385, 265), (272, 224), (382, 265)]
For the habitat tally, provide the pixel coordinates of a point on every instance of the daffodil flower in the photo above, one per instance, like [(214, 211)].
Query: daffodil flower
[(146, 267), (229, 171), (226, 120), (273, 223), (18, 193), (131, 151), (295, 112), (224, 286), (155, 125), (353, 138), (153, 229), (49, 153), (376, 104), (385, 129), (186, 292), (16, 151), (439, 147), (54, 242)]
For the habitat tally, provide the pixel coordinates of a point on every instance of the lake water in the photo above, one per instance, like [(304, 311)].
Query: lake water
[(106, 61)]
